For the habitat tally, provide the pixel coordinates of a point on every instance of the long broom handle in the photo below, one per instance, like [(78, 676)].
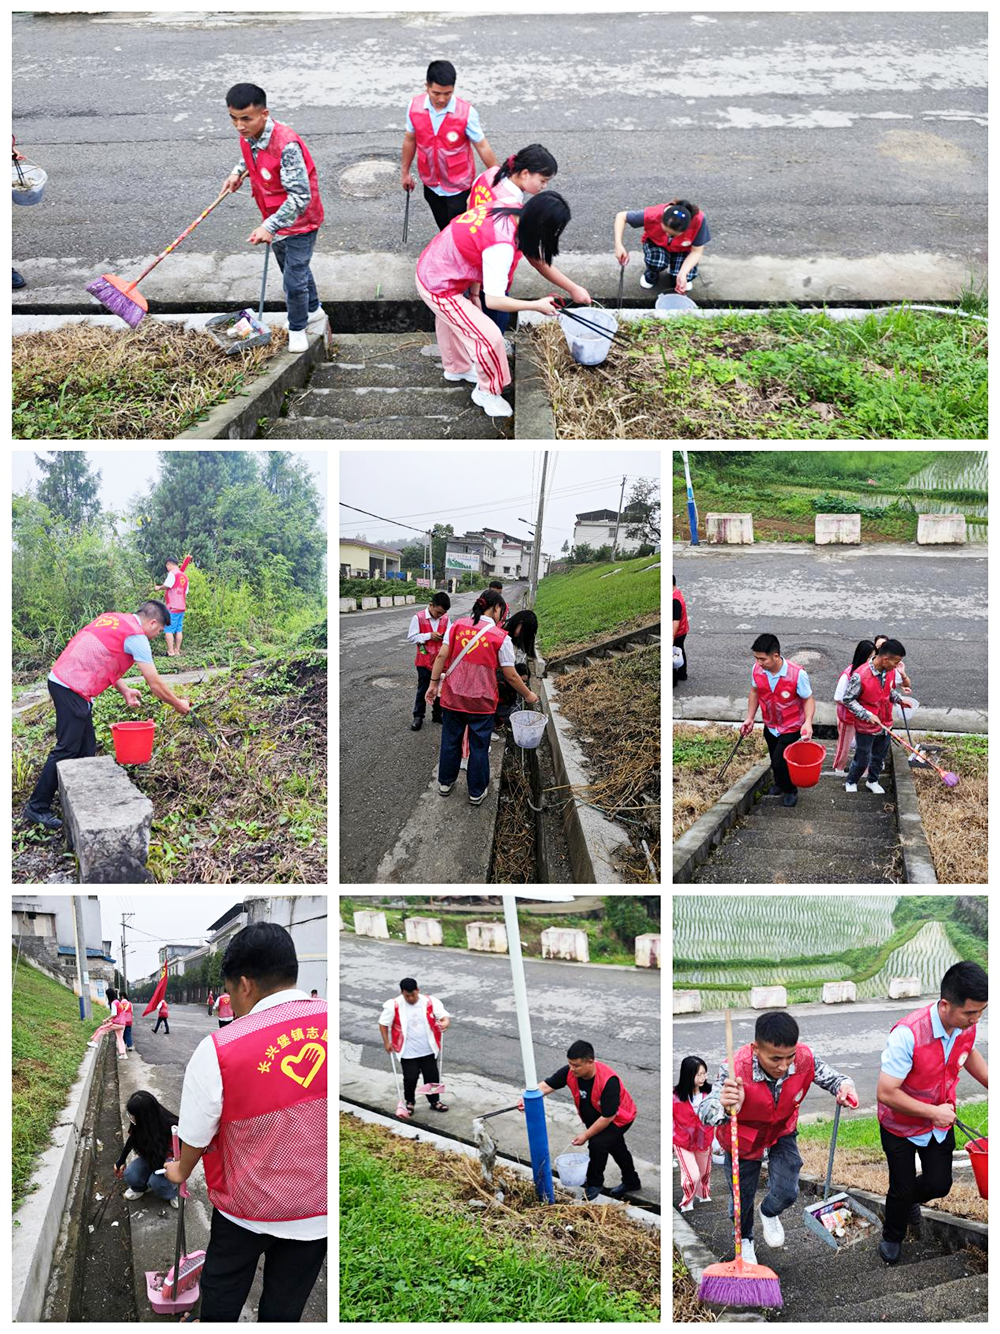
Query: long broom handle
[(181, 1240), (185, 233), (833, 1150), (937, 768), (734, 1146)]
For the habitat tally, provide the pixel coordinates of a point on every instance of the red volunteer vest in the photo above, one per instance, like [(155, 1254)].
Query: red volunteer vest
[(443, 159), (124, 1015), (265, 180), (781, 708), (225, 1006), (267, 1161), (472, 686), (931, 1079), (211, 999), (481, 191), (396, 1036), (653, 230), (454, 258), (602, 1073), (163, 1010), (689, 1131), (683, 628), (760, 1123), (874, 697), (176, 598), (429, 649), (95, 657)]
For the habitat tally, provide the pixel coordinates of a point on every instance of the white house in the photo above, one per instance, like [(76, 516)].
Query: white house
[(596, 528)]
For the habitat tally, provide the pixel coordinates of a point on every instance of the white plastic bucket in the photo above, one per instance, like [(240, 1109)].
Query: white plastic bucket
[(585, 346), (572, 1168), (528, 726), (674, 303), (900, 714), (35, 179)]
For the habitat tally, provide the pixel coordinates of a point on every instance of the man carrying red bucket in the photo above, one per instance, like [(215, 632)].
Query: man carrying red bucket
[(782, 690)]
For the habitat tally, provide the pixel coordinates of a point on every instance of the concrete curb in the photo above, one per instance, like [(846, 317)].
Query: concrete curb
[(38, 1221), (918, 864), (533, 415), (949, 1229), (694, 847), (602, 649), (697, 1258), (732, 709)]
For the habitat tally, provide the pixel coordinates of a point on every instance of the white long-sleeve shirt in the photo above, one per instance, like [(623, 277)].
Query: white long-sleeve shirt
[(414, 636)]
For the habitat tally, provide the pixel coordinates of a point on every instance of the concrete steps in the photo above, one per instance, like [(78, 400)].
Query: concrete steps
[(944, 1302)]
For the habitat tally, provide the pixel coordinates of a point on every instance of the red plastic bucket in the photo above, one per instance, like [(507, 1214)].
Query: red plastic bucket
[(979, 1158), (805, 760), (133, 741)]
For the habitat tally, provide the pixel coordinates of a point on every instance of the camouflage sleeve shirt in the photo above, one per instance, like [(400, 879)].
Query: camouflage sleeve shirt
[(294, 180), (712, 1112)]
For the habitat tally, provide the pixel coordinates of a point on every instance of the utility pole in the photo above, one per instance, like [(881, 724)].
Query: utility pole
[(124, 970), (82, 975), (534, 1111), (536, 546), (614, 544)]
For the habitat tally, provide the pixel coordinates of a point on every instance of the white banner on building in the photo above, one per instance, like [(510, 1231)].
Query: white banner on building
[(456, 560)]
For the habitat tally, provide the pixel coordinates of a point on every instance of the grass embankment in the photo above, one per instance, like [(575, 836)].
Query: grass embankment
[(687, 1308), (98, 383), (699, 754), (589, 603), (956, 820), (48, 1042), (412, 1249), (253, 812), (780, 374)]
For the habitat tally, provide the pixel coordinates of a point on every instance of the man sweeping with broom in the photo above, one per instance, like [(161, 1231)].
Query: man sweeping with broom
[(412, 1026)]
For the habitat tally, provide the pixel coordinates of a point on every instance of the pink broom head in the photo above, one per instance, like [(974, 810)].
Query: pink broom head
[(735, 1283), (950, 780), (119, 298)]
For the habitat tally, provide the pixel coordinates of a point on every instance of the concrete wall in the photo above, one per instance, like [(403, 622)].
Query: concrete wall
[(732, 529), (687, 1002), (423, 931), (367, 604), (837, 528), (900, 988), (647, 951), (768, 998), (565, 942), (371, 923), (348, 604), (836, 993), (488, 936), (62, 906), (941, 528)]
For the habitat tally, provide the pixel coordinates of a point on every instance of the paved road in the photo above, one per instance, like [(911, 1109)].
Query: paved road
[(616, 1009), (802, 134)]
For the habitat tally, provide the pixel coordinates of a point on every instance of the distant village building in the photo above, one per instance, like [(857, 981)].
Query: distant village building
[(43, 930), (365, 560), (596, 528)]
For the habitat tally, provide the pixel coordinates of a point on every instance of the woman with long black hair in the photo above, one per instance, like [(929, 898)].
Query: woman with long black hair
[(522, 628), (692, 1138), (149, 1139)]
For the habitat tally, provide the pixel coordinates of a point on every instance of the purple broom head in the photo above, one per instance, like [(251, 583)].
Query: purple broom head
[(950, 780), (113, 294), (735, 1283)]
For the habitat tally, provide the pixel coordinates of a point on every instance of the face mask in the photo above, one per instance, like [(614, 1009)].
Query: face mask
[(132, 1119)]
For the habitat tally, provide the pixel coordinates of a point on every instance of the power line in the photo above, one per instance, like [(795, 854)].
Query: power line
[(516, 500), (383, 517)]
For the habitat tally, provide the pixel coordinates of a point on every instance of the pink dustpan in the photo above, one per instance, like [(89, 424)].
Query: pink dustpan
[(160, 1286)]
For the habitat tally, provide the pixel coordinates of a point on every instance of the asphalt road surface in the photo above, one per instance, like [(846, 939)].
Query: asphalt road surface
[(384, 767), (799, 133), (821, 601)]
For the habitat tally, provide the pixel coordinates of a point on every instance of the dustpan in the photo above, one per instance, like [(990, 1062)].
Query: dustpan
[(840, 1220), (436, 1088), (243, 330), (180, 1287), (402, 1111)]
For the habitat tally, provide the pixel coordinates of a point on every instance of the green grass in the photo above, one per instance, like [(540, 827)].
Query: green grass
[(861, 1132), (48, 1043), (582, 605)]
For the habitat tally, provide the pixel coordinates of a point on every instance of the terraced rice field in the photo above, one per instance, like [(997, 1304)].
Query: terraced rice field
[(928, 956), (777, 926)]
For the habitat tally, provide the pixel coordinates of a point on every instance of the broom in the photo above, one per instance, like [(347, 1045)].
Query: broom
[(947, 777), (121, 298), (734, 1282)]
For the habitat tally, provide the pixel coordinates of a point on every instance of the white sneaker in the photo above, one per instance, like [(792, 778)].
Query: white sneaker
[(876, 787), (703, 1199), (841, 773), (317, 323), (173, 1203), (471, 376), (465, 762), (774, 1233), (131, 1194), (445, 788), (93, 1044), (494, 405), (123, 1056), (748, 1252), (298, 340), (686, 1208), (850, 787)]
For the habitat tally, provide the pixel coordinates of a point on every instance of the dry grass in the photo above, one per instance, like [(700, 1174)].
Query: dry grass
[(514, 843), (956, 820), (696, 787), (866, 1169), (687, 1308)]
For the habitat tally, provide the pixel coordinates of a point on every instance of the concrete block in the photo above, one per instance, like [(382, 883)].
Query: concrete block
[(687, 1002), (837, 528), (732, 529), (423, 931), (367, 604), (343, 924), (410, 597), (933, 529), (565, 942), (348, 604), (368, 922), (399, 602), (107, 821), (836, 993), (488, 936), (901, 988), (768, 998), (647, 951)]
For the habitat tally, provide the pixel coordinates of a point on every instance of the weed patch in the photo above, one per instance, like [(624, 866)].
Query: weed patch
[(956, 820), (699, 754)]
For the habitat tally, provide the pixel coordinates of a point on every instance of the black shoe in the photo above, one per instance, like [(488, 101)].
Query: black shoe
[(890, 1251), (914, 1218), (617, 1192), (790, 799), (17, 280), (416, 725), (592, 1192), (774, 791), (45, 818)]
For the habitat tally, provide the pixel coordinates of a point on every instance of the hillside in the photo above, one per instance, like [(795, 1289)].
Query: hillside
[(591, 602)]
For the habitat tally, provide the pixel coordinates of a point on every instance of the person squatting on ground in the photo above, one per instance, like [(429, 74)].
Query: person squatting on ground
[(782, 689), (771, 1076), (427, 631), (162, 1015), (681, 627), (149, 1139), (869, 695), (692, 1139), (175, 587), (120, 1016), (253, 1109), (522, 628), (606, 1108), (411, 1026), (285, 186), (924, 1055), (476, 647), (674, 237)]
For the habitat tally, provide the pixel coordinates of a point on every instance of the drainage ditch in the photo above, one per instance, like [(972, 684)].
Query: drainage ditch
[(529, 845)]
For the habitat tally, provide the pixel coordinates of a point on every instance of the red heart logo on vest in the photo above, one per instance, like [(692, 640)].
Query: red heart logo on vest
[(311, 1052)]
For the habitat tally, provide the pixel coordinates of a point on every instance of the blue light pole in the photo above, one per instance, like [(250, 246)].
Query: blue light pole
[(692, 508), (534, 1110)]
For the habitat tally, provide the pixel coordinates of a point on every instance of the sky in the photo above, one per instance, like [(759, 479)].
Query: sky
[(423, 488), (186, 917), (124, 473)]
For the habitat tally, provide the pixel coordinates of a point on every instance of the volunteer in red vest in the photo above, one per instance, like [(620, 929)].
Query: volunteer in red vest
[(162, 1016), (225, 1008), (253, 1111), (465, 672), (175, 588), (606, 1109), (120, 1016), (427, 631), (680, 618), (497, 586), (674, 236), (869, 696), (483, 247), (924, 1055), (211, 1002), (772, 1076), (98, 656), (782, 689), (441, 130), (692, 1138), (285, 188), (411, 1026)]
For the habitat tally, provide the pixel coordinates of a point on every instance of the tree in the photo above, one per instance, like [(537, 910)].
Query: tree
[(643, 509), (69, 489), (439, 542), (583, 554), (627, 917), (565, 546), (412, 557)]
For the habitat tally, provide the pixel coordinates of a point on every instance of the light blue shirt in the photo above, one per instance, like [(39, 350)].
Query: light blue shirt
[(473, 130), (803, 689), (897, 1061), (137, 645)]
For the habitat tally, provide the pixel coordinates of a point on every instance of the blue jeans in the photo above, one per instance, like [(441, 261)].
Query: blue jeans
[(127, 1035), (480, 727), (294, 254), (870, 752), (139, 1176), (783, 1168), (501, 318)]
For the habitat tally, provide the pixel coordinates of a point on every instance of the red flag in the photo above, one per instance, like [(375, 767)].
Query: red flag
[(158, 994)]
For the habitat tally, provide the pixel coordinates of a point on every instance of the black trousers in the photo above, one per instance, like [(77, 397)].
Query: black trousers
[(423, 1067), (681, 673), (611, 1143), (161, 1019), (446, 207), (290, 1270), (75, 740), (776, 746), (906, 1188), (420, 703)]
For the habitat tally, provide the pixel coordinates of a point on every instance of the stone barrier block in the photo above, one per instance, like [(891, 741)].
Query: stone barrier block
[(565, 942), (902, 988), (488, 936), (687, 1002), (732, 529), (937, 529), (647, 951), (836, 993), (348, 604), (399, 602), (107, 821), (385, 602), (410, 597), (768, 998), (837, 528), (368, 922), (368, 603), (423, 931)]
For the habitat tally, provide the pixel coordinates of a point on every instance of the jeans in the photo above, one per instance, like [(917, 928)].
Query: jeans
[(420, 703), (424, 1067), (776, 747), (905, 1187), (446, 207), (139, 1177), (480, 727), (162, 1019), (75, 740), (611, 1142), (870, 749), (128, 1037), (294, 254), (783, 1168), (290, 1271), (501, 318)]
